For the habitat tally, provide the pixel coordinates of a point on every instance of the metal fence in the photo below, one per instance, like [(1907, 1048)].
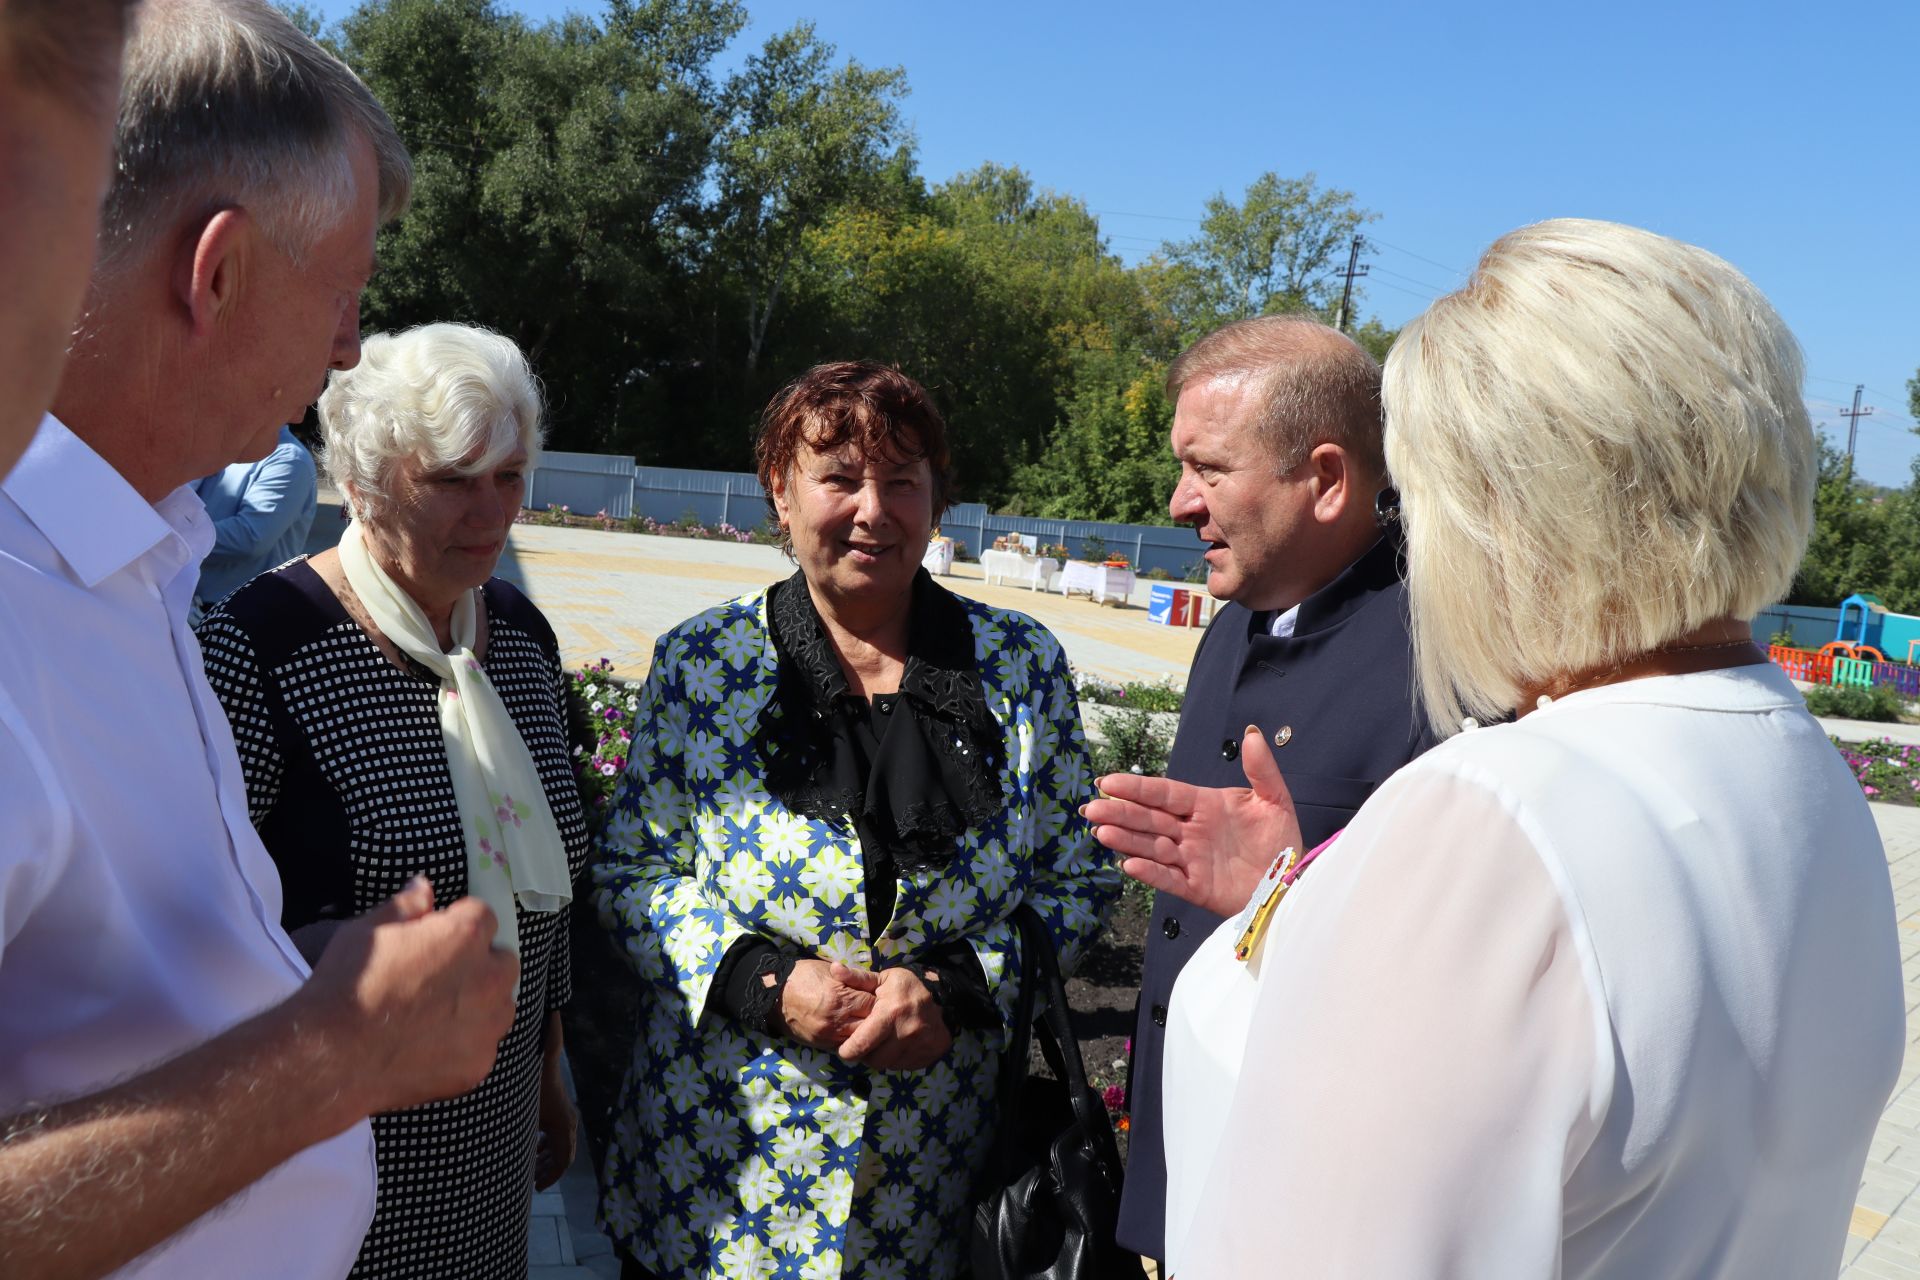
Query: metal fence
[(583, 483), (588, 483), (711, 497), (1810, 625)]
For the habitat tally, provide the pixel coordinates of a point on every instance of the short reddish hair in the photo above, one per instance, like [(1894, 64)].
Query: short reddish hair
[(877, 409)]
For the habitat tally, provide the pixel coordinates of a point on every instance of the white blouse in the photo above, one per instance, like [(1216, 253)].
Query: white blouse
[(1612, 991)]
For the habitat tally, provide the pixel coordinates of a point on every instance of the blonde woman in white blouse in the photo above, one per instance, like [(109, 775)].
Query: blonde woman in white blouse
[(1612, 990)]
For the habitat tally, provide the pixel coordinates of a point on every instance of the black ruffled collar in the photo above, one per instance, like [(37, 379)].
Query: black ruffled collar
[(937, 771)]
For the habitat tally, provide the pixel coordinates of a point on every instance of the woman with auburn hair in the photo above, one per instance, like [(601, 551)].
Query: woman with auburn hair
[(839, 791), (1612, 989)]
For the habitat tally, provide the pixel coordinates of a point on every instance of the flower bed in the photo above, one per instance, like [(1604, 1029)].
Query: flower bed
[(607, 706), (1887, 771), (1135, 695), (687, 526)]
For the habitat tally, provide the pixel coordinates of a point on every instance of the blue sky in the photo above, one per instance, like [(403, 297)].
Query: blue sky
[(1775, 135)]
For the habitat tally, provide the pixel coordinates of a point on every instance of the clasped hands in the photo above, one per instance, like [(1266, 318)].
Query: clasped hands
[(887, 1020), (1205, 845)]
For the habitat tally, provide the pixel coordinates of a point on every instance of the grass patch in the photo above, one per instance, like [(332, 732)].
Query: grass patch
[(1882, 702)]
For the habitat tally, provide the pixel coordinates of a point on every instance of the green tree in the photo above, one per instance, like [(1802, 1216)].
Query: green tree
[(803, 139), (986, 290), (1850, 549), (559, 186), (1108, 459), (1272, 252)]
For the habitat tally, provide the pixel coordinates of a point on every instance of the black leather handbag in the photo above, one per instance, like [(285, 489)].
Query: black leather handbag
[(1051, 1192)]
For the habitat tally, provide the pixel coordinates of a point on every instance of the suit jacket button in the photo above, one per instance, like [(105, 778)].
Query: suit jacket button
[(1283, 735), (1230, 749), (1159, 1015), (1171, 928)]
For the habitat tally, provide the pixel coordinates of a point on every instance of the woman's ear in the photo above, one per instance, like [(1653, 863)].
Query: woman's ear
[(778, 483)]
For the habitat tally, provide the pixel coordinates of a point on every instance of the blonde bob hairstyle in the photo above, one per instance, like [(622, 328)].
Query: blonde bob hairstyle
[(451, 397), (1600, 445)]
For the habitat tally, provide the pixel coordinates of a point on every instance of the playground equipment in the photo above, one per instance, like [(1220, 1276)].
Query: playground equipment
[(1857, 655)]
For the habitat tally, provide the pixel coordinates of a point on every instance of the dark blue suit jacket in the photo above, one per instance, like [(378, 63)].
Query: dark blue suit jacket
[(1340, 693)]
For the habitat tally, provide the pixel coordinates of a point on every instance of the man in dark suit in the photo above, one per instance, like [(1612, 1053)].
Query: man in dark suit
[(1277, 428)]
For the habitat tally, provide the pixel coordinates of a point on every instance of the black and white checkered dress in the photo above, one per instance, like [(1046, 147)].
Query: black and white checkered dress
[(348, 784)]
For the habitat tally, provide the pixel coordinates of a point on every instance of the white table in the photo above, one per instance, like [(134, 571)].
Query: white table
[(939, 557), (1035, 571), (1102, 582)]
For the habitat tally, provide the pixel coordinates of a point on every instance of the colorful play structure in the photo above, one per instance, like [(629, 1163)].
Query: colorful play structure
[(1858, 653)]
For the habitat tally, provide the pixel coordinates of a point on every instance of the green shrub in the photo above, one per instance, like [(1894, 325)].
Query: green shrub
[(1159, 695), (1844, 702), (1157, 574), (1093, 548), (1196, 572), (1133, 743), (1782, 638)]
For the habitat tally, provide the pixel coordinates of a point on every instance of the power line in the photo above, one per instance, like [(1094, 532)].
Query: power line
[(1158, 217), (1885, 395), (1411, 254), (1437, 288), (1424, 297)]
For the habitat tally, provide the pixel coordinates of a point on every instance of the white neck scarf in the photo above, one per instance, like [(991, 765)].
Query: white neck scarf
[(514, 849)]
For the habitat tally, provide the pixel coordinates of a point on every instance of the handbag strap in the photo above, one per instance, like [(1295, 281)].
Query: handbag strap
[(1040, 970), (1056, 1021), (1013, 1066)]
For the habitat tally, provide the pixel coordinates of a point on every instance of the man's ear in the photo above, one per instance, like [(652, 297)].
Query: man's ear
[(213, 267), (1331, 472)]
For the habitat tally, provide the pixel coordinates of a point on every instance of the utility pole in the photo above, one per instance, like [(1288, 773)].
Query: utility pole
[(1355, 269), (1853, 417)]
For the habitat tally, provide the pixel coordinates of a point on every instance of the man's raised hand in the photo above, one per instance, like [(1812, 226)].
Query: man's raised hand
[(415, 999), (1205, 845)]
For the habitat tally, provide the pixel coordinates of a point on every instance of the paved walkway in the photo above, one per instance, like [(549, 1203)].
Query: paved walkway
[(1884, 1240)]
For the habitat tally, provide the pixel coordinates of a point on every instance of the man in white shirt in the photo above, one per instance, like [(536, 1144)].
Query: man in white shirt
[(163, 1051)]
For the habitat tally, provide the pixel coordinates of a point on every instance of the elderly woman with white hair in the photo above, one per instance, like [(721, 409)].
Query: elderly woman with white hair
[(401, 712), (1609, 990)]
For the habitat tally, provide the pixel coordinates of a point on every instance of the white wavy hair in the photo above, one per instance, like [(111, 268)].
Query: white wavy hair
[(1600, 445), (452, 397)]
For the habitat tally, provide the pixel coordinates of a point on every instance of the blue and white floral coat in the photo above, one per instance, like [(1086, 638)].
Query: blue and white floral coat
[(739, 1154)]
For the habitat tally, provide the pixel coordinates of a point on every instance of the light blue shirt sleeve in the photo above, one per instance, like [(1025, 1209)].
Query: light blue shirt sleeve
[(261, 513)]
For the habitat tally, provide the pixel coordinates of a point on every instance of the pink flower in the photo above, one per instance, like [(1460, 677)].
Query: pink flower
[(1115, 1097), (608, 770), (1873, 791)]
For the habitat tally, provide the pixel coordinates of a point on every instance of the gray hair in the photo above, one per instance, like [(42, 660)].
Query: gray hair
[(1316, 385), (227, 102), (1600, 445), (450, 397)]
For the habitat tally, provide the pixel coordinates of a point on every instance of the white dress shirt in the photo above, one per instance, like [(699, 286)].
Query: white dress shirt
[(139, 913), (1611, 991)]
